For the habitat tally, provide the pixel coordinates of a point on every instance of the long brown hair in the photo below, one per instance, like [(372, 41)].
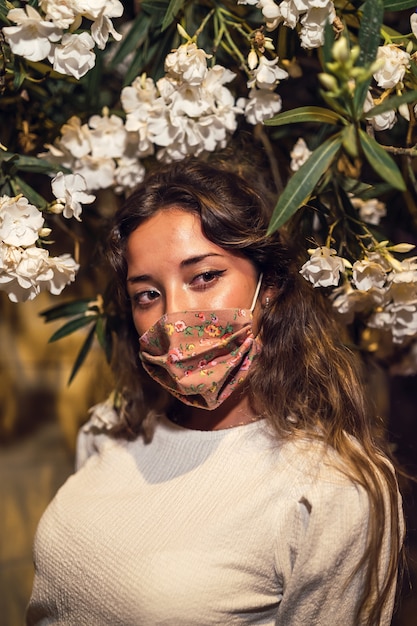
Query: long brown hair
[(306, 382)]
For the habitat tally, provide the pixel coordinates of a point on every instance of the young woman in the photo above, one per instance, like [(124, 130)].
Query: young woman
[(240, 477)]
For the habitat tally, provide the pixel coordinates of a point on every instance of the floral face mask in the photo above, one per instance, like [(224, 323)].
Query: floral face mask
[(201, 357)]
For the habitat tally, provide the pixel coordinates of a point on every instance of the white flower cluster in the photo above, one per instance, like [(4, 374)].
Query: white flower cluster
[(262, 102), (394, 63), (312, 15), (186, 111), (25, 268), (51, 35), (381, 288), (101, 151)]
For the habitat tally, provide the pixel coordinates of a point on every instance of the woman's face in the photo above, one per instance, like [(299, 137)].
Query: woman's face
[(173, 267)]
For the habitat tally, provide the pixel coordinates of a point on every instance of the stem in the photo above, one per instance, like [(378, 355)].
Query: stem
[(204, 23), (260, 134)]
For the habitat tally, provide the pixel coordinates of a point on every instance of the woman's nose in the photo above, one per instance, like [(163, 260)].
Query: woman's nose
[(177, 300)]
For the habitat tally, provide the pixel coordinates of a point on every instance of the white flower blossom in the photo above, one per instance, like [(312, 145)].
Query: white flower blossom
[(396, 61), (400, 319), (188, 63), (368, 274), (129, 173), (107, 136), (313, 23), (98, 172), (101, 29), (92, 9), (311, 14), (267, 74), (370, 211), (261, 105), (71, 188), (73, 55), (64, 269), (62, 14), (33, 36), (403, 281), (75, 138), (324, 267), (20, 222), (299, 154), (382, 121), (413, 23), (348, 301)]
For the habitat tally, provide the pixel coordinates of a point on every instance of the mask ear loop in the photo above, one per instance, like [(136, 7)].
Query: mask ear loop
[(257, 290)]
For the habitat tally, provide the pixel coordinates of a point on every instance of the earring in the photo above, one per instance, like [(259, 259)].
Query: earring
[(267, 301)]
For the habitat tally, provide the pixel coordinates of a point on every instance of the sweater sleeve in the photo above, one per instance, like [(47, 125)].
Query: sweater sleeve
[(328, 538)]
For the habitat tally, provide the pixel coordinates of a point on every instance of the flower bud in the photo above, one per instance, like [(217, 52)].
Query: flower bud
[(340, 50), (57, 207), (45, 232), (181, 30), (401, 247), (328, 81), (252, 59)]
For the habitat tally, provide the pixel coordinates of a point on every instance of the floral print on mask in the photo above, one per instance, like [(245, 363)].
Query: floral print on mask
[(201, 357)]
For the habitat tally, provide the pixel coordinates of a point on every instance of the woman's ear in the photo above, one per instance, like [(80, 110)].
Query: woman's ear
[(266, 297)]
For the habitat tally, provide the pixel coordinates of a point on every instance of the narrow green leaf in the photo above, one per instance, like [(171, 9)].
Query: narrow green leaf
[(85, 349), (72, 326), (303, 182), (329, 38), (369, 40), (413, 68), (389, 104), (20, 186), (350, 140), (399, 5), (30, 164), (381, 161), (334, 104), (66, 309), (174, 8), (104, 337), (305, 114), (133, 39)]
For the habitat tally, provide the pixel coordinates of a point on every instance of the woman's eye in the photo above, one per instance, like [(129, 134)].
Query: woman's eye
[(145, 298), (204, 279)]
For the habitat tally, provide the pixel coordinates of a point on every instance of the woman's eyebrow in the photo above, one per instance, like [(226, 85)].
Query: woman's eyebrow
[(196, 259), (185, 263), (138, 279)]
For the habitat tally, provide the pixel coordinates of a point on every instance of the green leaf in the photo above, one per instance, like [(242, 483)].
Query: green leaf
[(399, 5), (329, 38), (305, 114), (133, 39), (389, 104), (20, 186), (104, 337), (85, 349), (72, 326), (67, 309), (175, 6), (31, 164), (381, 161), (303, 182), (369, 40)]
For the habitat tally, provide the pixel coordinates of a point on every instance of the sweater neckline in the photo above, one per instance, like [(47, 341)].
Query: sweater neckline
[(170, 427)]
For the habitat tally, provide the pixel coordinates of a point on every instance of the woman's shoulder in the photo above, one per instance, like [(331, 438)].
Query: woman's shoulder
[(102, 420)]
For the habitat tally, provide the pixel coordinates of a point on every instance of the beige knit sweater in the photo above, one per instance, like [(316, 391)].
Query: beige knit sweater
[(199, 528)]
